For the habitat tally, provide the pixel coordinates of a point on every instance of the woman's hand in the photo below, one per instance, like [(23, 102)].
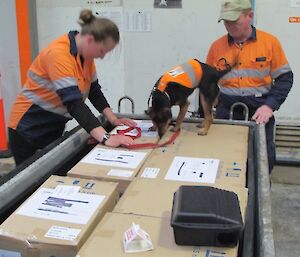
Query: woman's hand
[(124, 121), (107, 112), (117, 140)]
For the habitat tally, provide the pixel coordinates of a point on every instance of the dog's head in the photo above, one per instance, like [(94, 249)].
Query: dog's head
[(160, 111)]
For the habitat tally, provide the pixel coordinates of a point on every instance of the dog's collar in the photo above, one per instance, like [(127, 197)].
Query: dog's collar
[(167, 95), (151, 96)]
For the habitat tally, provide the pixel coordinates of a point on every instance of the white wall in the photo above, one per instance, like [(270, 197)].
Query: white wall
[(56, 17), (175, 36), (10, 82), (133, 69), (273, 16)]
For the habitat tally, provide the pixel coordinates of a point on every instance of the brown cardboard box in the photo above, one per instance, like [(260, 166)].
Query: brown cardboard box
[(226, 143), (109, 170), (106, 240), (115, 172), (155, 197), (57, 219)]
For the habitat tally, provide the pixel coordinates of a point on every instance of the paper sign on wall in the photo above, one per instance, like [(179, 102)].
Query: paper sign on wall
[(295, 3), (138, 21)]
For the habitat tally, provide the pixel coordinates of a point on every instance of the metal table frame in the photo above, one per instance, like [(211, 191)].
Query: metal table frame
[(258, 233)]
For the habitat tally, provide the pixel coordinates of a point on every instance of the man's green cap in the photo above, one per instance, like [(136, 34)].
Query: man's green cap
[(231, 9)]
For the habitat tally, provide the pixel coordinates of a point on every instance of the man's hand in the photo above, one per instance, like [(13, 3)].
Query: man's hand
[(262, 114)]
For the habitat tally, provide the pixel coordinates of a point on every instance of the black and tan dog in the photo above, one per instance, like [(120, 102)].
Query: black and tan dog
[(174, 88)]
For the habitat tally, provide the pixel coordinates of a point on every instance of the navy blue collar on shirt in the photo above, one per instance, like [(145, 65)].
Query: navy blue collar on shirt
[(73, 47), (252, 36)]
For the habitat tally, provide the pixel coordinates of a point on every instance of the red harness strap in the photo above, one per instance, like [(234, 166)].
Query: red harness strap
[(146, 145), (124, 131)]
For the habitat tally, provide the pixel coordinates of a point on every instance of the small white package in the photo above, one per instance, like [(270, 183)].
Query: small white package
[(136, 240)]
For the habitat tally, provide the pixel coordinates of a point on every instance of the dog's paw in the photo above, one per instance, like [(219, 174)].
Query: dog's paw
[(202, 132)]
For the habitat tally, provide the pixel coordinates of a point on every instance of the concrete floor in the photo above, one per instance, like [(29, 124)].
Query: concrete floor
[(6, 165), (285, 195)]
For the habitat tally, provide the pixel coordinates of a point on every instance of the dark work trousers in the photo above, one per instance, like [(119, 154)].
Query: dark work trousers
[(222, 112), (20, 147)]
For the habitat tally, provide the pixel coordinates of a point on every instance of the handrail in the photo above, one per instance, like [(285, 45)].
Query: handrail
[(128, 98), (245, 112), (266, 239)]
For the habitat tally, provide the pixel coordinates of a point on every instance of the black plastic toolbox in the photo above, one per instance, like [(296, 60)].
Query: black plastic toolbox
[(206, 216)]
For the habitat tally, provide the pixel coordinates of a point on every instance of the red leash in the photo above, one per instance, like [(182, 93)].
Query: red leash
[(145, 145), (124, 131)]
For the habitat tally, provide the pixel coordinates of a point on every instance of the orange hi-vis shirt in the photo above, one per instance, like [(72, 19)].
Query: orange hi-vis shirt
[(188, 75), (257, 62), (55, 77)]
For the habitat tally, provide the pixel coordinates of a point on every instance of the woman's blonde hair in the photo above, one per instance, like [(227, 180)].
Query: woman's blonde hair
[(100, 28)]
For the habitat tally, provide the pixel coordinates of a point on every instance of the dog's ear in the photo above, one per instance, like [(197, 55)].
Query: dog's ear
[(220, 73), (149, 112), (212, 74)]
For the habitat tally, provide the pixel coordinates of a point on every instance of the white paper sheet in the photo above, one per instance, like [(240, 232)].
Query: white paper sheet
[(138, 21), (66, 190), (113, 13), (58, 205), (295, 3), (120, 173), (150, 172), (193, 169), (144, 125), (63, 233), (114, 157)]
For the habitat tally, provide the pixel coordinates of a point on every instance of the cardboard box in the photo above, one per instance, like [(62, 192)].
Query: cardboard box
[(155, 197), (116, 165), (106, 240), (227, 144), (57, 219), (117, 171)]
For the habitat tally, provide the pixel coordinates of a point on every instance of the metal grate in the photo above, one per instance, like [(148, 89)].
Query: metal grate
[(287, 141)]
